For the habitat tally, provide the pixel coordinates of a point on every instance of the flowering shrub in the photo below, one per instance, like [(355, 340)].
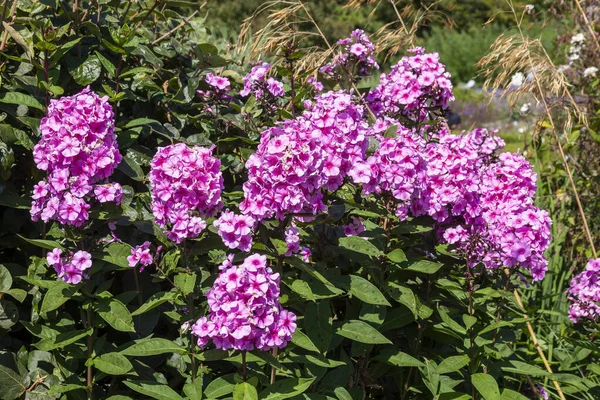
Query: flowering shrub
[(258, 237)]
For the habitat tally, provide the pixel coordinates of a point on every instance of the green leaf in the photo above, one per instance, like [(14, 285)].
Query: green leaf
[(109, 66), (286, 388), (220, 387), (403, 295), (155, 390), (154, 301), (319, 361), (113, 364), (11, 383), (117, 254), (425, 267), (18, 294), (152, 347), (245, 391), (469, 320), (21, 99), (359, 245), (5, 279), (87, 72), (193, 390), (452, 364), (62, 340), (508, 394), (44, 244), (362, 332), (301, 340), (396, 256), (115, 314), (318, 324), (342, 394), (522, 368), (9, 314), (486, 385), (185, 282), (366, 291), (56, 296), (400, 359)]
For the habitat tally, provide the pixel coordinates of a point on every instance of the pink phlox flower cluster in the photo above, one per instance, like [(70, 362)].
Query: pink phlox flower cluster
[(236, 230), (78, 148), (292, 241), (298, 158), (415, 86), (219, 89), (186, 187), (354, 228), (244, 309), (584, 293), (397, 167), (356, 56), (70, 267), (141, 255), (315, 84), (266, 89)]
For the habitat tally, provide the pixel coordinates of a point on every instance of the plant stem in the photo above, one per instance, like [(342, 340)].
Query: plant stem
[(90, 345), (244, 365), (137, 286)]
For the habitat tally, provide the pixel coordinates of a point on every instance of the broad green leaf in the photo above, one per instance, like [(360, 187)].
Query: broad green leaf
[(245, 391), (220, 387), (12, 384), (155, 390), (452, 364), (286, 388), (508, 394), (301, 340), (21, 99), (342, 394), (87, 72), (396, 256), (400, 359), (154, 301), (44, 244), (486, 385), (185, 282), (362, 332), (359, 245), (403, 295), (469, 320), (17, 294), (450, 322), (366, 291), (425, 267), (152, 347), (117, 254), (115, 314), (109, 66), (519, 367), (5, 279), (193, 390), (9, 314), (318, 324), (62, 340), (113, 364), (56, 296)]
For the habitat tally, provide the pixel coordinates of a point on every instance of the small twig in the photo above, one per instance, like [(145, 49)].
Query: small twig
[(244, 365), (172, 31), (147, 14), (13, 10)]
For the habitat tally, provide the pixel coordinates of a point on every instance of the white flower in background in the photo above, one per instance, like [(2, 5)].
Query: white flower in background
[(470, 84), (529, 8), (517, 80), (578, 39), (563, 68), (591, 71), (525, 108), (521, 130)]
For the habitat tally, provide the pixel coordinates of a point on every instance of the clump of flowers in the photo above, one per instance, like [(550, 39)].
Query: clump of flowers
[(295, 160), (354, 228), (292, 241), (577, 45), (78, 149), (356, 57), (186, 187), (244, 309), (70, 267), (415, 87), (219, 87), (584, 293), (236, 230), (396, 167), (266, 89), (140, 255)]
